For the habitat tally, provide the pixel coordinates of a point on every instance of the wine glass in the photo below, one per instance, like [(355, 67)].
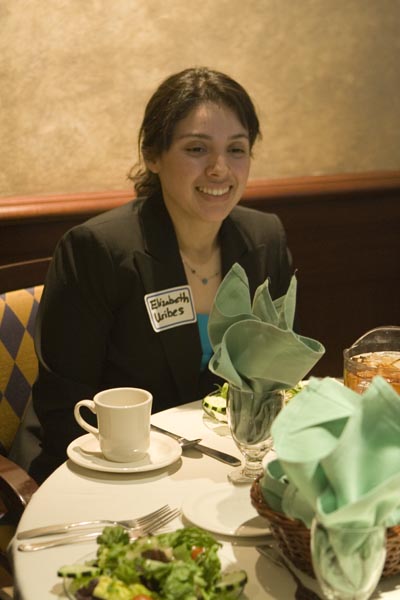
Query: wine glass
[(250, 417), (348, 561)]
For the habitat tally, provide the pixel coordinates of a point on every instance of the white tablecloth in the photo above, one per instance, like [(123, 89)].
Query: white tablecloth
[(73, 493)]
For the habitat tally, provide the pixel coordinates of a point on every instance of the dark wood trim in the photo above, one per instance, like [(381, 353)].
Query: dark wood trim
[(13, 208), (16, 486), (60, 205), (23, 274), (319, 185)]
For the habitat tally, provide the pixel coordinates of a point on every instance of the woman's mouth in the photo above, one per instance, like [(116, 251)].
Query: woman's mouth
[(214, 191)]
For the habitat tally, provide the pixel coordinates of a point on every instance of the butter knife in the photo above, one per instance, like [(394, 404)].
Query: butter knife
[(222, 456)]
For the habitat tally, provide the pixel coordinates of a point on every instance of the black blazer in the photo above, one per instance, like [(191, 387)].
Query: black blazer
[(93, 331)]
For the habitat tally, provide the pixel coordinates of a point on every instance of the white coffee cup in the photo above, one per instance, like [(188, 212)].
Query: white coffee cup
[(123, 419)]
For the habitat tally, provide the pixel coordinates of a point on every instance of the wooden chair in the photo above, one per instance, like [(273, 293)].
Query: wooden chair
[(18, 370)]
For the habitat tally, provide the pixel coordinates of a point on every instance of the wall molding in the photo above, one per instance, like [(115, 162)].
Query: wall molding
[(48, 206)]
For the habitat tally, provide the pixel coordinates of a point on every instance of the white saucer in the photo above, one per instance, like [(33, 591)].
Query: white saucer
[(85, 452), (226, 509)]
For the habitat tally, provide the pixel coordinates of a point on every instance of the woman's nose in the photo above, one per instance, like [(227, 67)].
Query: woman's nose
[(217, 165)]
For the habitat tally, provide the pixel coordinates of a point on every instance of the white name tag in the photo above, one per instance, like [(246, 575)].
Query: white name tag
[(170, 308)]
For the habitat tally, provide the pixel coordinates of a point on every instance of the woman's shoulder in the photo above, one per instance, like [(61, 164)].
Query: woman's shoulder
[(115, 227), (110, 219)]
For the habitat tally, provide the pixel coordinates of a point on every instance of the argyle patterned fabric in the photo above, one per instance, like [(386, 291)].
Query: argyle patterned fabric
[(18, 363)]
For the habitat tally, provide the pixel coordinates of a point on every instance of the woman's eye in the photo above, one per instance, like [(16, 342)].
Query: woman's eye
[(195, 149), (239, 151)]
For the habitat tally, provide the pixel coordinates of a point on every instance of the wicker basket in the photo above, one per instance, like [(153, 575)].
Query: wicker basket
[(293, 537)]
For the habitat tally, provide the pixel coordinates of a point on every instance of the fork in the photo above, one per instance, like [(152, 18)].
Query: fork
[(135, 532), (72, 527)]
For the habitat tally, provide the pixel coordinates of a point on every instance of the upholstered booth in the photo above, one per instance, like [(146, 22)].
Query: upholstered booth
[(18, 369)]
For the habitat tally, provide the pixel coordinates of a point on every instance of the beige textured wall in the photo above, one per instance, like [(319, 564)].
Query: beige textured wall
[(75, 76)]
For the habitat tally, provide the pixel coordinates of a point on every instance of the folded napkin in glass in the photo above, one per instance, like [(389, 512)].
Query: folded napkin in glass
[(255, 347), (338, 456)]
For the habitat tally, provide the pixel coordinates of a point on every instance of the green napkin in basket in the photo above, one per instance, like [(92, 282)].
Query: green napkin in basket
[(255, 347), (340, 452), (338, 456)]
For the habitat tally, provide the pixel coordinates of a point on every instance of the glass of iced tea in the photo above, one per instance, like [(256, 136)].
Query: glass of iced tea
[(377, 352)]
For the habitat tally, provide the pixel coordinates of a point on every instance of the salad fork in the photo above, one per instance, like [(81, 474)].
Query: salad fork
[(72, 527), (149, 528)]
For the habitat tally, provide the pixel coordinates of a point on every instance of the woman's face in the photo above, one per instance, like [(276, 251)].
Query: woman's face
[(205, 170)]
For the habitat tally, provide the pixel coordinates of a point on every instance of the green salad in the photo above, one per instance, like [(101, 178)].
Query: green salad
[(182, 565), (289, 394), (214, 404)]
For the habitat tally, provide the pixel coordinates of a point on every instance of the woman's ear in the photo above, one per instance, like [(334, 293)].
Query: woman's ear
[(151, 164)]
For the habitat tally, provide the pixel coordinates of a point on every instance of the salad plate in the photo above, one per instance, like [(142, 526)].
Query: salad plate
[(68, 589), (85, 452), (225, 509), (190, 553), (227, 565)]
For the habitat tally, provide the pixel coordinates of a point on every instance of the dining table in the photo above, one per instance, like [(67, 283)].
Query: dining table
[(192, 481)]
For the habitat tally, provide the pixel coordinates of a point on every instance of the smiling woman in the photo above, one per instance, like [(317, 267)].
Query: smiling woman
[(170, 248)]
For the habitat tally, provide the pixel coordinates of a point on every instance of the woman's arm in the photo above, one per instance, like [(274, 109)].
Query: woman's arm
[(73, 324)]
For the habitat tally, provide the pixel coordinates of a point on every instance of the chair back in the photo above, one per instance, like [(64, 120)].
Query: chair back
[(18, 362)]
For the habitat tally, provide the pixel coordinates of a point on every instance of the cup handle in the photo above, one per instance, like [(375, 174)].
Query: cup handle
[(77, 414)]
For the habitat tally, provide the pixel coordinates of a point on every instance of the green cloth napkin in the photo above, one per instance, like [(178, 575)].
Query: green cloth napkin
[(255, 347), (338, 460), (338, 455)]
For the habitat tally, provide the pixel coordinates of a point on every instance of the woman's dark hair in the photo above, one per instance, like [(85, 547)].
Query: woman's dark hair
[(172, 102)]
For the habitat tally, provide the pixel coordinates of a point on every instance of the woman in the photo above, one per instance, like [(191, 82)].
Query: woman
[(128, 293)]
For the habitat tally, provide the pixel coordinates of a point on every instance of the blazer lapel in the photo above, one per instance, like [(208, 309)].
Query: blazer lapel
[(160, 268)]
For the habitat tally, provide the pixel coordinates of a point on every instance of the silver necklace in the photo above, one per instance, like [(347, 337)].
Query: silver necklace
[(204, 280)]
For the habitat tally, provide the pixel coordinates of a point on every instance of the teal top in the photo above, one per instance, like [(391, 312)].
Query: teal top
[(202, 322)]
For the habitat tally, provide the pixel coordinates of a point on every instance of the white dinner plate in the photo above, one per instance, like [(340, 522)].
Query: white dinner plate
[(85, 452), (226, 509)]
